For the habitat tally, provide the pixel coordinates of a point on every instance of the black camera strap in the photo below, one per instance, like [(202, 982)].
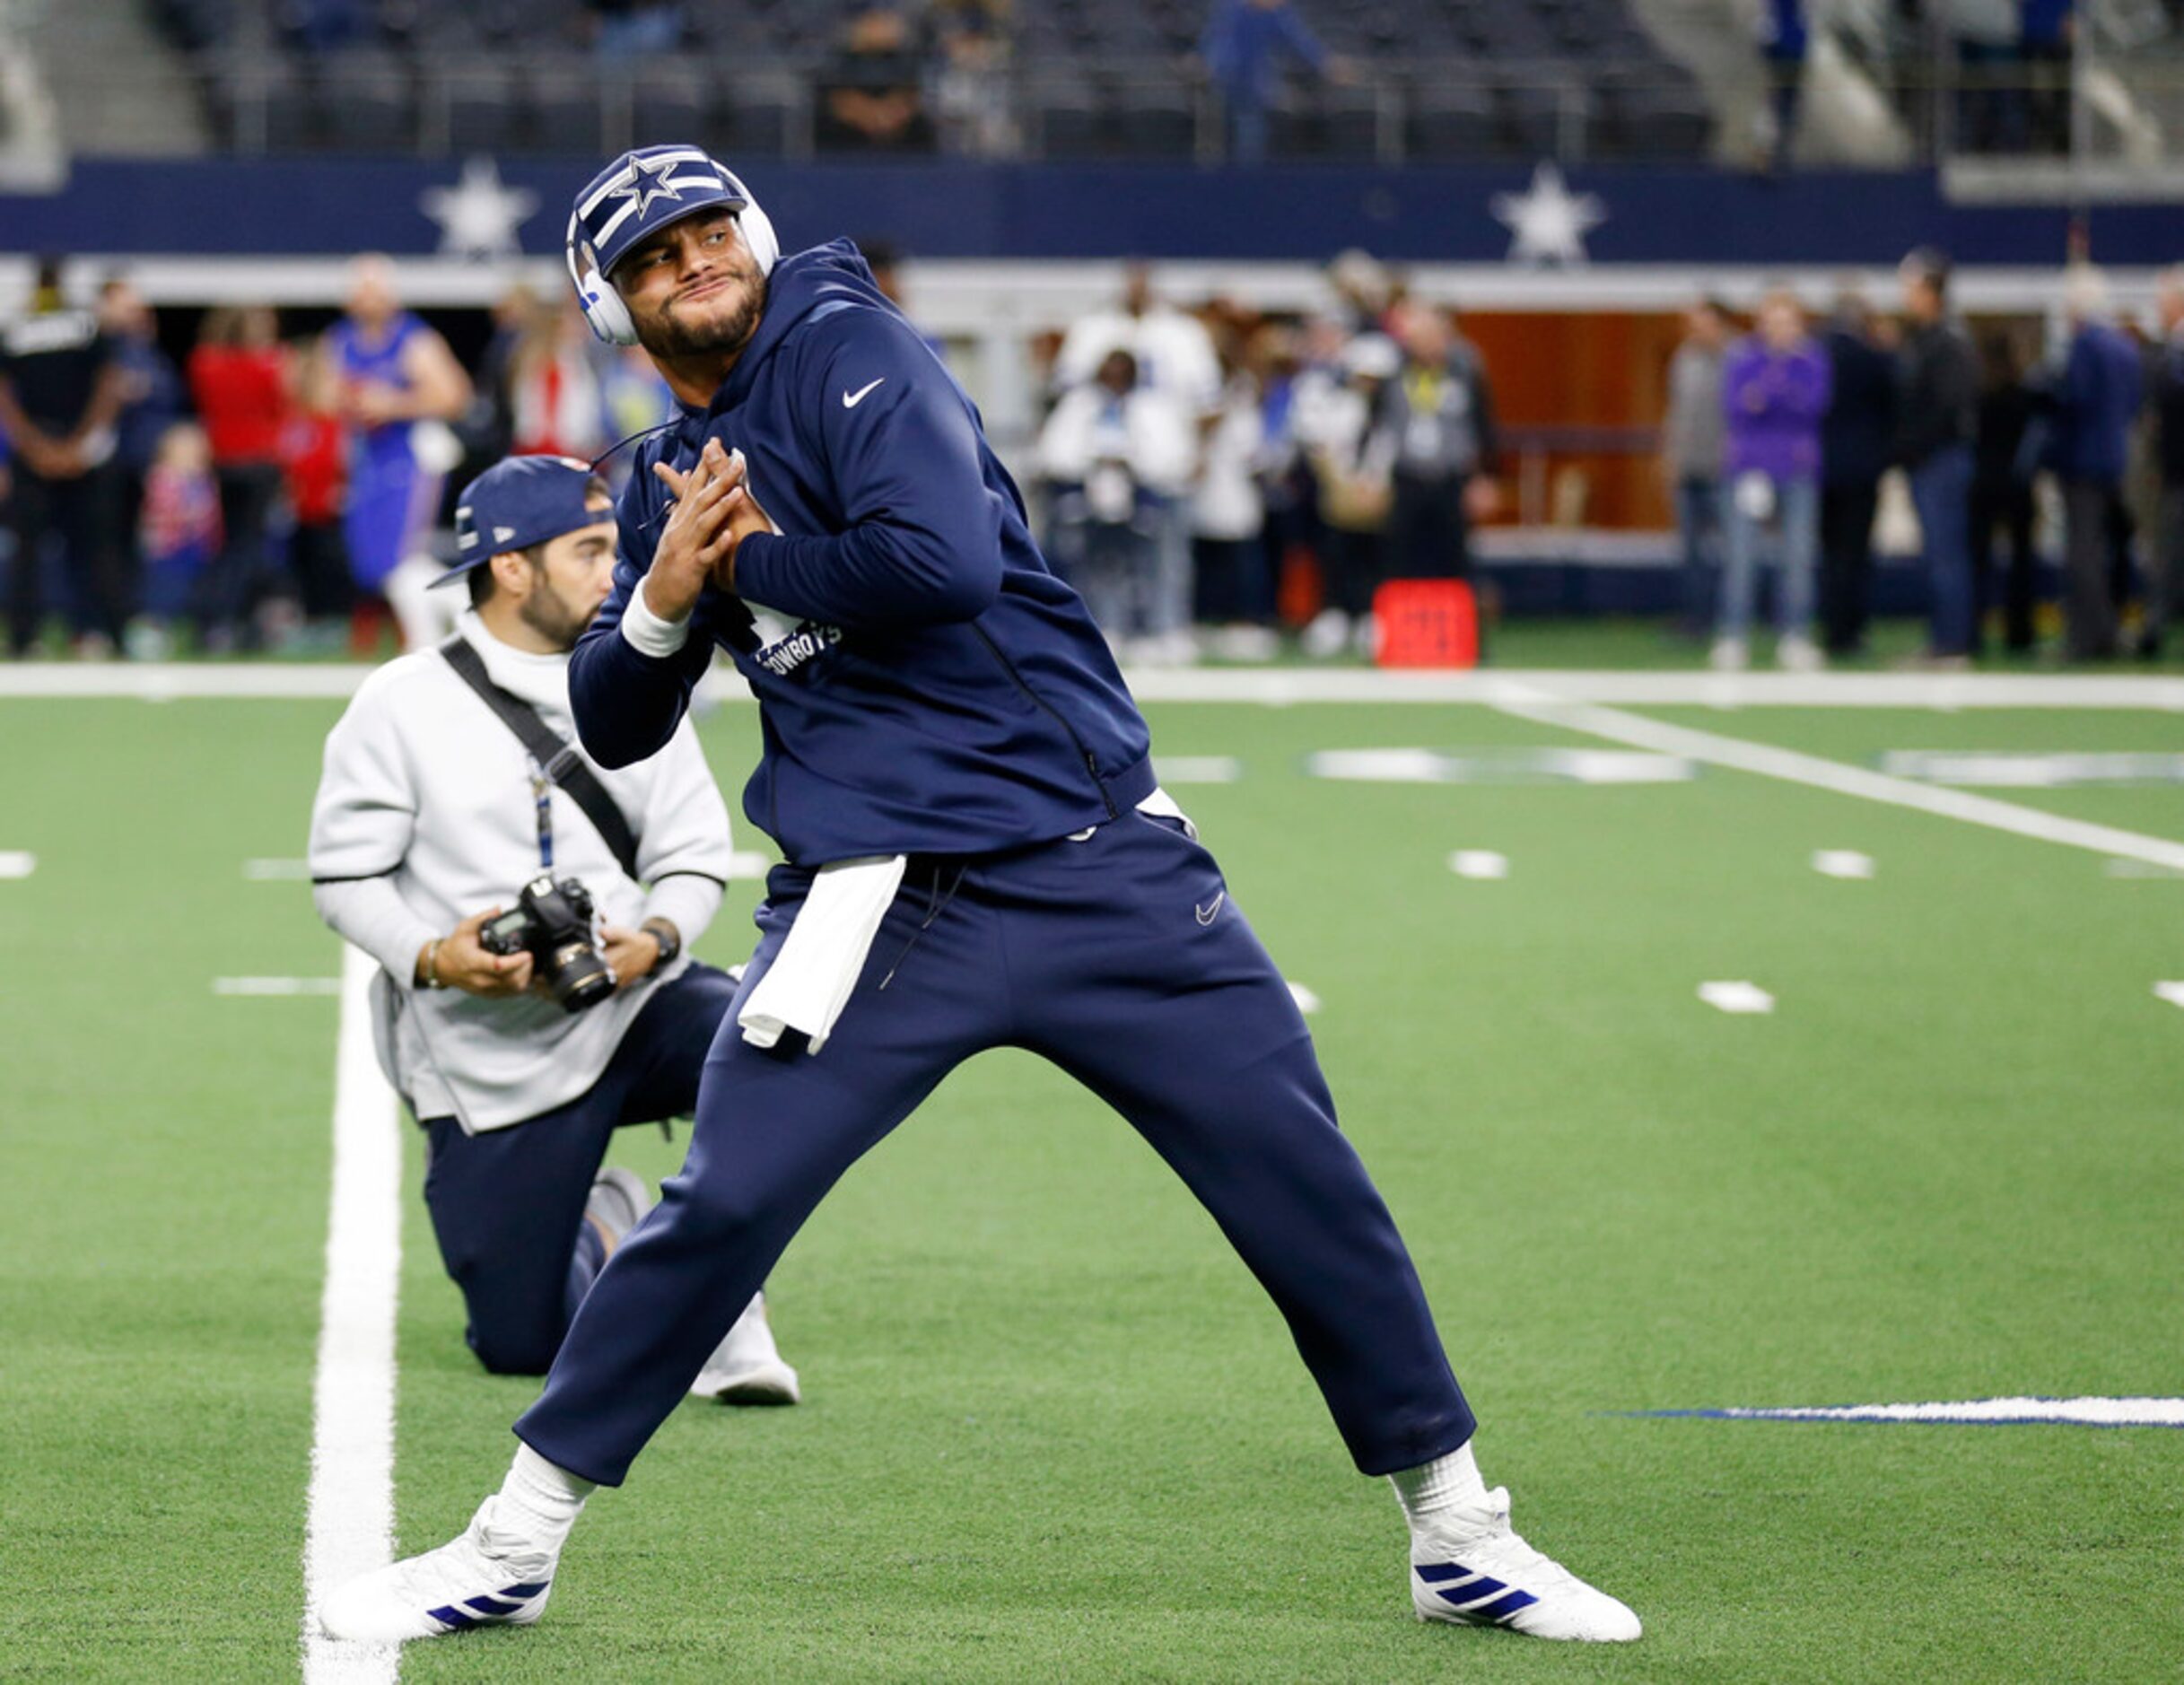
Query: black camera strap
[(559, 759)]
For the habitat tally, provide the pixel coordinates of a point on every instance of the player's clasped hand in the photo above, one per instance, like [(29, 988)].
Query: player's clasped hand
[(458, 960), (713, 513)]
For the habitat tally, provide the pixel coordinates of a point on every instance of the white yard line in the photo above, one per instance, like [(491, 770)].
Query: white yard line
[(278, 871), (1272, 685), (350, 1526), (1197, 769), (150, 681), (1768, 761), (1738, 997), (1946, 690), (1499, 766), (279, 986), (2016, 769), (17, 863)]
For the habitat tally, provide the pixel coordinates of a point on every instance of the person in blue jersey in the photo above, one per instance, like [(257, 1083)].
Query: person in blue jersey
[(977, 856), (394, 374)]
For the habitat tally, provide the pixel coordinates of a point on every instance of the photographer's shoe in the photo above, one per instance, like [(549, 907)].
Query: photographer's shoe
[(489, 1575), (746, 1368), (618, 1203), (1468, 1567)]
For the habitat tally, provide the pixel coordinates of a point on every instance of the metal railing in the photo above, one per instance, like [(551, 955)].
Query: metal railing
[(2091, 113), (266, 102), (1954, 110), (2112, 95)]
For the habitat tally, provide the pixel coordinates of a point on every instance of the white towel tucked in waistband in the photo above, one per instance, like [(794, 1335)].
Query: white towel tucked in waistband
[(1162, 806), (816, 972), (812, 977)]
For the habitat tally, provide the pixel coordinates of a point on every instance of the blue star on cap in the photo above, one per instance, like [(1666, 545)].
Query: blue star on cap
[(648, 181)]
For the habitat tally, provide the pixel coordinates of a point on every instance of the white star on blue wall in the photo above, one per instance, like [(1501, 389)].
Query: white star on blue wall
[(1549, 222), (480, 214)]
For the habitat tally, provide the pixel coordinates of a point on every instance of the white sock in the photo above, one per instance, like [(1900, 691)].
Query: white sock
[(1434, 1488), (541, 1500)]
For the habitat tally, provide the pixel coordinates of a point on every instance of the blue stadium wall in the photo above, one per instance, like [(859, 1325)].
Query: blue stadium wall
[(328, 205)]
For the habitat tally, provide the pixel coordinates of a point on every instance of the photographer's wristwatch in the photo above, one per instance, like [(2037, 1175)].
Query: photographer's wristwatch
[(670, 938)]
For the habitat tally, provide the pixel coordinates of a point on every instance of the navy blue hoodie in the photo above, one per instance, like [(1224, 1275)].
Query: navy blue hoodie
[(945, 693)]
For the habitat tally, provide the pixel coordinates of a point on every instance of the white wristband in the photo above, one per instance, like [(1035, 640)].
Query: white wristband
[(647, 632)]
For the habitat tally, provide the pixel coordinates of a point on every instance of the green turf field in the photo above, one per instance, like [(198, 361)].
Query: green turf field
[(1051, 1429)]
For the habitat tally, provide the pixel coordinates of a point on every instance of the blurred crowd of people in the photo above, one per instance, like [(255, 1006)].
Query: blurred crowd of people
[(931, 75), (1212, 479), (260, 496), (270, 493), (905, 79), (1777, 443), (1211, 475)]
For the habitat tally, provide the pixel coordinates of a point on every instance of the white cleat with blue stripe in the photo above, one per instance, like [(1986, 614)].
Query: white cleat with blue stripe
[(486, 1576), (1471, 1569)]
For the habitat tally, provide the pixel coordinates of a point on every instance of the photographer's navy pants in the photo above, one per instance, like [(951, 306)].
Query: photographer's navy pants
[(508, 1204), (1120, 959)]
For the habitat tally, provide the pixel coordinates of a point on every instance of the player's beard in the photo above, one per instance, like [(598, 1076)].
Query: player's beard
[(666, 337)]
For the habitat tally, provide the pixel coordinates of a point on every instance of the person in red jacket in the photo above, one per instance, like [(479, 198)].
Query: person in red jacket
[(239, 382), (315, 459)]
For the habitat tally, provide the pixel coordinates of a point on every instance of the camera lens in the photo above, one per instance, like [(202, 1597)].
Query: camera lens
[(579, 977)]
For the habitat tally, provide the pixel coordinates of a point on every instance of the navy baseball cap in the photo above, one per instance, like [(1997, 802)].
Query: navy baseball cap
[(517, 503), (641, 192)]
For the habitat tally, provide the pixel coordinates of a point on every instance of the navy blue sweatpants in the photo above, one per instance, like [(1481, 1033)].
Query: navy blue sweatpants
[(508, 1205), (1120, 959)]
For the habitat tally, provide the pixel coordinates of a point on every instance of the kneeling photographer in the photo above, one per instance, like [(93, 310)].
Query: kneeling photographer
[(530, 912)]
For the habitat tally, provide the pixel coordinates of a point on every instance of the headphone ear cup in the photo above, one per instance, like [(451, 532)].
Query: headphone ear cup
[(759, 236), (757, 226), (605, 311), (592, 293)]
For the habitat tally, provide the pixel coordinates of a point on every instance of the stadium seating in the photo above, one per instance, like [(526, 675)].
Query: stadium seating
[(1435, 79), (480, 98)]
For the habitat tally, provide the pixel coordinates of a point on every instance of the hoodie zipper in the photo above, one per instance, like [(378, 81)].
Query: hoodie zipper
[(1052, 712)]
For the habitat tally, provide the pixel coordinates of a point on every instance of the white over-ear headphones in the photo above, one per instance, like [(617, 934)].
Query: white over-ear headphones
[(757, 229), (601, 304), (603, 307)]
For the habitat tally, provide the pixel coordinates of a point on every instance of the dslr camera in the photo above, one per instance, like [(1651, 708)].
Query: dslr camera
[(552, 922)]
